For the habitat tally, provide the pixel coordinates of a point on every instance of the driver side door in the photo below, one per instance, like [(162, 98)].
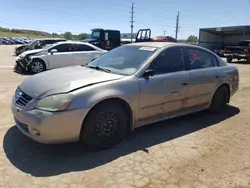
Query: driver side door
[(61, 58), (163, 93)]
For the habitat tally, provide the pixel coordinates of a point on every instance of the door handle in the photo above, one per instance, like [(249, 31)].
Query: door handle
[(185, 83)]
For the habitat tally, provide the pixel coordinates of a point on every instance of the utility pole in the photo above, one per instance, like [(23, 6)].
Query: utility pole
[(132, 21), (164, 33), (177, 26)]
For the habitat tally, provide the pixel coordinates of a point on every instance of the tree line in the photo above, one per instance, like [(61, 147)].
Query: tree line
[(26, 32), (192, 39)]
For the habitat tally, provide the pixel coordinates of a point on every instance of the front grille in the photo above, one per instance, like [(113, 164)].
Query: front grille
[(21, 98)]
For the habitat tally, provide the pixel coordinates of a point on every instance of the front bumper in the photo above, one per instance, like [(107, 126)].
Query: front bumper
[(49, 127), (17, 52), (21, 65)]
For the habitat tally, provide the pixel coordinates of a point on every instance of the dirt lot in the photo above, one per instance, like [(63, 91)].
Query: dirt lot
[(195, 151)]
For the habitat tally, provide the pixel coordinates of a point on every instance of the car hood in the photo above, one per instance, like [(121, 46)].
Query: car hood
[(63, 80), (21, 46), (30, 52)]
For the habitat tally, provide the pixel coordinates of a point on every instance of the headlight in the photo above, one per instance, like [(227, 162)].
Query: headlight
[(55, 103)]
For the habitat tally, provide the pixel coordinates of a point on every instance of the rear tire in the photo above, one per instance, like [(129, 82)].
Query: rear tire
[(229, 59), (37, 66), (105, 125), (220, 100)]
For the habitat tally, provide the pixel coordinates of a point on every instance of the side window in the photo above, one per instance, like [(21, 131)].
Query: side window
[(199, 59), (82, 47), (170, 60), (63, 48)]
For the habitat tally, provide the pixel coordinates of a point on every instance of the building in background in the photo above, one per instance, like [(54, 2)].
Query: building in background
[(219, 37)]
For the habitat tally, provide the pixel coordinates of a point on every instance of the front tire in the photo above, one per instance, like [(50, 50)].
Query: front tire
[(105, 125), (37, 66), (220, 100)]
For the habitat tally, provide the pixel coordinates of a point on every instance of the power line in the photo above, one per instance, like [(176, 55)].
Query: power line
[(132, 21), (177, 26)]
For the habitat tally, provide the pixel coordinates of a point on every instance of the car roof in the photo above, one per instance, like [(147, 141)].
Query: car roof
[(71, 42), (77, 42), (51, 39), (167, 44), (161, 44), (151, 44)]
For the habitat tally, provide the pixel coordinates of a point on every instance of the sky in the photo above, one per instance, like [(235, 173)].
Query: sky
[(79, 16)]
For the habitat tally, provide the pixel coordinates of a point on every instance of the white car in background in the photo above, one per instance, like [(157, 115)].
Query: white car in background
[(57, 55)]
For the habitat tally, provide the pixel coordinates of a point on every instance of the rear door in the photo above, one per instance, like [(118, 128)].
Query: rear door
[(61, 58), (82, 54), (204, 77)]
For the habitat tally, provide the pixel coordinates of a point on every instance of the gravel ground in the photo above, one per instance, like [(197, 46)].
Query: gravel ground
[(195, 151)]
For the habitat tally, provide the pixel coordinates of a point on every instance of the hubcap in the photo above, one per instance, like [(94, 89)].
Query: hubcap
[(37, 67), (107, 124)]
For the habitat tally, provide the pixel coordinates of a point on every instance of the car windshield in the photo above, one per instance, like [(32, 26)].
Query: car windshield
[(125, 60), (34, 44), (95, 35), (47, 46)]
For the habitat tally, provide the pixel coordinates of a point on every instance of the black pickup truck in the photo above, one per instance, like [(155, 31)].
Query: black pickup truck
[(241, 51), (109, 39)]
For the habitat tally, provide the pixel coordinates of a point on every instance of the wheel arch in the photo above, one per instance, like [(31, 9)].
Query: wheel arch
[(125, 104), (40, 59)]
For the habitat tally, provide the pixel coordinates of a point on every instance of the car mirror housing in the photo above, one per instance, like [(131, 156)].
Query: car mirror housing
[(148, 73), (53, 51)]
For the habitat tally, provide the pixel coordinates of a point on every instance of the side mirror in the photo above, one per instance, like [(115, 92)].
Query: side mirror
[(53, 51), (148, 73)]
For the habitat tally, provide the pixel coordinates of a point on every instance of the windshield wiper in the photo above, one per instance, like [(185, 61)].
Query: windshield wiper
[(99, 68)]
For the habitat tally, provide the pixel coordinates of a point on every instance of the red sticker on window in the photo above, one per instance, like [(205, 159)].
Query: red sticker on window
[(194, 56)]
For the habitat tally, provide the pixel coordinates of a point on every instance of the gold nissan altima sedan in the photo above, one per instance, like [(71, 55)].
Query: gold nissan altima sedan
[(128, 87)]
